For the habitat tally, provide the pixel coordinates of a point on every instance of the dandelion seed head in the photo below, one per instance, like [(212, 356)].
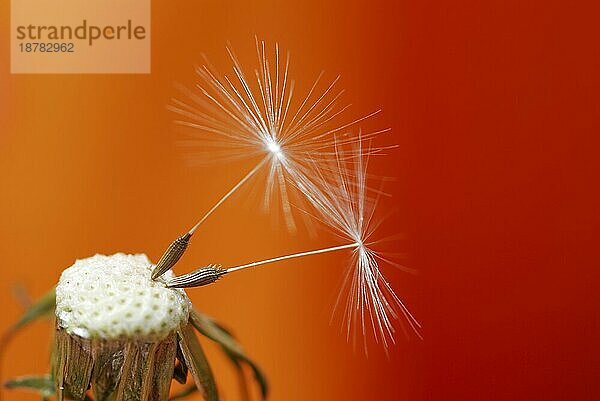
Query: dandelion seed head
[(114, 297)]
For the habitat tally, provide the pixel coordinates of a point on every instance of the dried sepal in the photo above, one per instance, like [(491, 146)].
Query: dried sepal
[(198, 278), (118, 370), (108, 360), (242, 380), (164, 364), (197, 363), (133, 372), (186, 391), (143, 370), (211, 329), (79, 366), (59, 362), (217, 333), (181, 369), (71, 366)]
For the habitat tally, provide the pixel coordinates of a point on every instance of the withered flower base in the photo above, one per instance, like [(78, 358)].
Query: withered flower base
[(122, 336), (116, 369), (117, 329)]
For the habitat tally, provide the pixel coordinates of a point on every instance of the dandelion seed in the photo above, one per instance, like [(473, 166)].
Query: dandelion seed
[(243, 118), (178, 247), (342, 203), (345, 207)]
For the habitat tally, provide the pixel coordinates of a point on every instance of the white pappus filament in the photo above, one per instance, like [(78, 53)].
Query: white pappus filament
[(302, 143), (248, 115)]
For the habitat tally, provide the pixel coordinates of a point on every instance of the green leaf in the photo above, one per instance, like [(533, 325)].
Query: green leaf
[(211, 329), (197, 363), (44, 306), (41, 307), (42, 384)]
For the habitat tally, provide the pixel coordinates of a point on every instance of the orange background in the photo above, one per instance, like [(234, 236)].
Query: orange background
[(495, 105)]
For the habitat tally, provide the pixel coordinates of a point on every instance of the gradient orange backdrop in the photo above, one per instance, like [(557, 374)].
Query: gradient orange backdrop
[(493, 104)]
